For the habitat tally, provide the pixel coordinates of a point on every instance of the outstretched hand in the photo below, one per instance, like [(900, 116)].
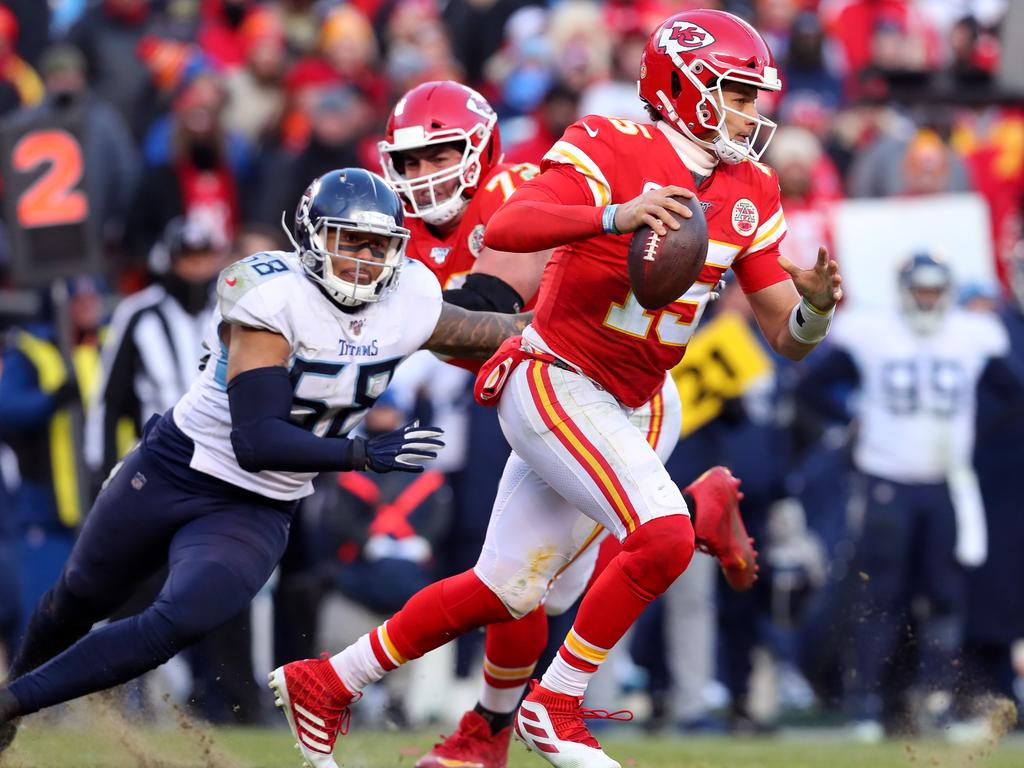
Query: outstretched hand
[(821, 285)]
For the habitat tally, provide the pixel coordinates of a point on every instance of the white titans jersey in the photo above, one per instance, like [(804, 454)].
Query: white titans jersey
[(339, 362), (917, 398)]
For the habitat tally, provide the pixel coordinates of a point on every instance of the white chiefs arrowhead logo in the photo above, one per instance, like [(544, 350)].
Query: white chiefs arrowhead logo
[(684, 36)]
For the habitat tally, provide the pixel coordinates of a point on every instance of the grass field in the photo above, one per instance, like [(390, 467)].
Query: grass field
[(113, 743)]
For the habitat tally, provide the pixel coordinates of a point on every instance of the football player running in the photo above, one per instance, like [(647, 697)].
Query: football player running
[(577, 461), (442, 154), (301, 345)]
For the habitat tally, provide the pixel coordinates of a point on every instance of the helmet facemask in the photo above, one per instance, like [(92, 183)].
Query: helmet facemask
[(712, 110), (925, 317), (324, 240), (440, 208)]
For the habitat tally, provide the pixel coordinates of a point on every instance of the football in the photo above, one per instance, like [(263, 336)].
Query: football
[(661, 269)]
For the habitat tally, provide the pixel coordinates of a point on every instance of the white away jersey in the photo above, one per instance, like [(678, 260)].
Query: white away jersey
[(339, 362), (917, 394)]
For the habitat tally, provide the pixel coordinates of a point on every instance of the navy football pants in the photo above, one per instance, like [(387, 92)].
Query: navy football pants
[(220, 544), (906, 552)]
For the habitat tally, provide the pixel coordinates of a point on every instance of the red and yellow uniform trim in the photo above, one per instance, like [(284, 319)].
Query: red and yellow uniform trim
[(578, 445), (384, 649)]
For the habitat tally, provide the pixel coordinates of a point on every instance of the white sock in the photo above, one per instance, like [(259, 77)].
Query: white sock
[(357, 665)]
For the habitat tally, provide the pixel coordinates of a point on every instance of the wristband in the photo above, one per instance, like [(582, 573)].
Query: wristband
[(608, 219), (808, 324)]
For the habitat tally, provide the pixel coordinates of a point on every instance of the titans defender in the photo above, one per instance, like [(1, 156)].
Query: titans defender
[(301, 345)]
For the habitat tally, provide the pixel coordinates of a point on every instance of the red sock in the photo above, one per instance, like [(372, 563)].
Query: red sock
[(443, 611), (652, 557), (510, 657)]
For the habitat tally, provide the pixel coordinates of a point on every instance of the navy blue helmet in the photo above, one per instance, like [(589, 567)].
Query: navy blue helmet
[(926, 291), (336, 213)]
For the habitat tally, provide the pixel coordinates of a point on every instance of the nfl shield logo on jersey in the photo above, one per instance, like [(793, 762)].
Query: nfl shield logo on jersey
[(744, 217), (476, 240), (356, 326), (439, 254)]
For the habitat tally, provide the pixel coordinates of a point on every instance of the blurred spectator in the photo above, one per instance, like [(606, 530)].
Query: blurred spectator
[(109, 34), (20, 86), (419, 49), (197, 180), (255, 87), (347, 57), (991, 142), (37, 393), (916, 160), (556, 112), (804, 66), (581, 44), (883, 35), (479, 29), (520, 72), (917, 373), (338, 120), (154, 341), (111, 159), (222, 34), (809, 184), (617, 96)]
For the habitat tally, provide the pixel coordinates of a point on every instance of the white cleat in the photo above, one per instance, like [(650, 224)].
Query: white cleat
[(551, 724)]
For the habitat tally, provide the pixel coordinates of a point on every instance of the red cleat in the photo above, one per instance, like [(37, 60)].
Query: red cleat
[(472, 745), (316, 704), (719, 528), (551, 724)]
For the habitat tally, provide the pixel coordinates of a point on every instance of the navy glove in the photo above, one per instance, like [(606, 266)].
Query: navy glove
[(404, 450)]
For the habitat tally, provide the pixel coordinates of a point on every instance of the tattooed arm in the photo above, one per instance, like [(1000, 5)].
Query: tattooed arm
[(462, 333)]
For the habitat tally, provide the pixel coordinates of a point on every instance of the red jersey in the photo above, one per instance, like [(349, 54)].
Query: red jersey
[(452, 258), (586, 311)]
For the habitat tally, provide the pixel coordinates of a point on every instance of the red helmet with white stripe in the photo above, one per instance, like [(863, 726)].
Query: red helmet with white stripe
[(682, 70), (441, 112)]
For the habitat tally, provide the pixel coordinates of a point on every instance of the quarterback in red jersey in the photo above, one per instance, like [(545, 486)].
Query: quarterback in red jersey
[(578, 461)]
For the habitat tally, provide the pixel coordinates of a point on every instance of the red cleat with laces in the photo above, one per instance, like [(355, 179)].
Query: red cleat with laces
[(719, 528), (472, 745), (316, 704), (551, 724)]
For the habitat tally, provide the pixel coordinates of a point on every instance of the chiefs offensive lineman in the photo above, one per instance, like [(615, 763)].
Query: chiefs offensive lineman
[(592, 355)]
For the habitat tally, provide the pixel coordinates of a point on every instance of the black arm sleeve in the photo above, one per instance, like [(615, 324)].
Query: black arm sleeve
[(485, 293), (818, 388), (263, 437)]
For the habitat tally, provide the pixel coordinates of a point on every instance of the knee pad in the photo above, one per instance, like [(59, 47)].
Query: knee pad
[(658, 551)]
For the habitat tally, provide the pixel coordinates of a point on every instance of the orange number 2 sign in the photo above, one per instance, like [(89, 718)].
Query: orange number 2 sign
[(51, 200)]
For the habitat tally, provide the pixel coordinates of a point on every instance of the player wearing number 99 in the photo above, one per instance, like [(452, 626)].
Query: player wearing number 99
[(916, 372), (301, 345)]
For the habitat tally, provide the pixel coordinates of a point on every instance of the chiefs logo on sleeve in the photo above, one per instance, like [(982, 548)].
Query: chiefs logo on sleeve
[(684, 36)]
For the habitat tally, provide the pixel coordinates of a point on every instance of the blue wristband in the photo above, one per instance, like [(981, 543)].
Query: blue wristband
[(608, 219)]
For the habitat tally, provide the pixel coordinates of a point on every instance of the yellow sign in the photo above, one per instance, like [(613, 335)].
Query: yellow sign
[(721, 362)]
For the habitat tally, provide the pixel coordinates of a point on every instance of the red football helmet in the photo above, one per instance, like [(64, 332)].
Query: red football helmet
[(682, 70), (438, 113)]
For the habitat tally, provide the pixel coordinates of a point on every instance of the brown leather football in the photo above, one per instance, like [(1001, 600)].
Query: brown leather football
[(662, 269)]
